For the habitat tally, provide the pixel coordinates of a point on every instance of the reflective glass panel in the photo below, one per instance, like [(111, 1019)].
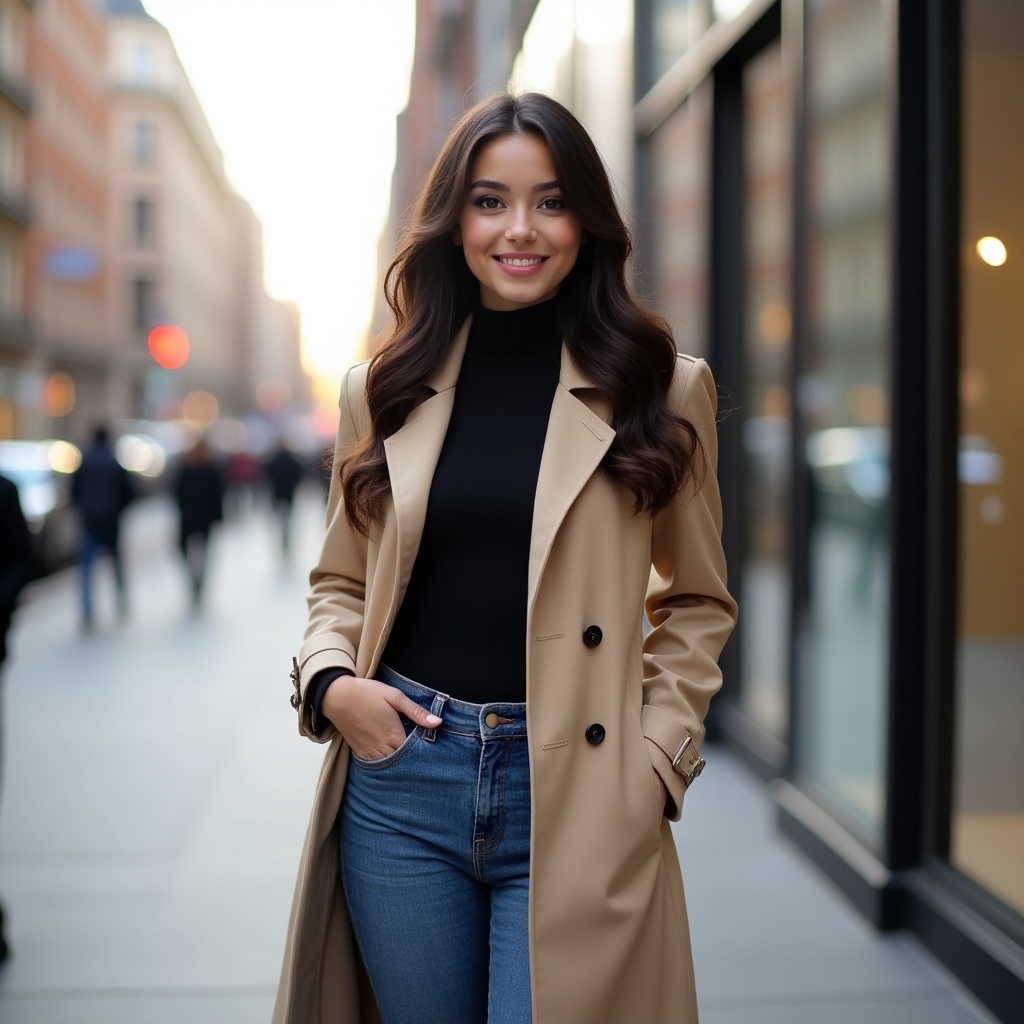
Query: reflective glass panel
[(675, 25), (679, 284), (725, 9), (767, 155), (987, 835), (844, 398)]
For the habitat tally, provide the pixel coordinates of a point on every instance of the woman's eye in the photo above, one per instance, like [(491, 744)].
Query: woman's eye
[(553, 203), (487, 202)]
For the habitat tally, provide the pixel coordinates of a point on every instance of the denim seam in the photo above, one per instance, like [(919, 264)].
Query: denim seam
[(483, 846), (478, 840)]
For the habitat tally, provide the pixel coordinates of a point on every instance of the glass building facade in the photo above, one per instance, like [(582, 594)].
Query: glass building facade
[(830, 212)]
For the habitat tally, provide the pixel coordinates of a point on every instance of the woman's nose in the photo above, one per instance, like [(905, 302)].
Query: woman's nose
[(521, 227)]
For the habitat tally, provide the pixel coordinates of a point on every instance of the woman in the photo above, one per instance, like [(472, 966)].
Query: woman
[(523, 467)]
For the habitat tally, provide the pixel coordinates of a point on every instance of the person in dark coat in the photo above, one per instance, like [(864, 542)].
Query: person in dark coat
[(199, 492), (17, 567), (284, 473), (101, 489)]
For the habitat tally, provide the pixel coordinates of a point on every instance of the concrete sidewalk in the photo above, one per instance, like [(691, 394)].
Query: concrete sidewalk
[(156, 796)]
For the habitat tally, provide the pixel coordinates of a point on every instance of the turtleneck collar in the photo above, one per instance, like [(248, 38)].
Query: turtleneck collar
[(516, 330)]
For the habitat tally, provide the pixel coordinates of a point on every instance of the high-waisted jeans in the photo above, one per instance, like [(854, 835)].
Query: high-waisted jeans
[(435, 861)]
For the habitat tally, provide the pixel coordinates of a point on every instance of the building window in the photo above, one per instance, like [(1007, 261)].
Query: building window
[(143, 293), (675, 26), (681, 198), (141, 64), (843, 394), (987, 828), (143, 143), (723, 10), (143, 221)]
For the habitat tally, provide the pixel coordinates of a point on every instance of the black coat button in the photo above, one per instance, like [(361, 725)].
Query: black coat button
[(592, 636), (595, 733)]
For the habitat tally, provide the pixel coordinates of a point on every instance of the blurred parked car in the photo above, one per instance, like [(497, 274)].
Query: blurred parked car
[(41, 470)]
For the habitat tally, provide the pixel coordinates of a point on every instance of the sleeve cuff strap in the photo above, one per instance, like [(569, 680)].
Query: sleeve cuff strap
[(672, 739)]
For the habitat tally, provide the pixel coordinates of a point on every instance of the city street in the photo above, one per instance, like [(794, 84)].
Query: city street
[(156, 794)]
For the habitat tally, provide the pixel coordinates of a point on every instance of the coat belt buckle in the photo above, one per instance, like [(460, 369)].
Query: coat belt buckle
[(688, 761)]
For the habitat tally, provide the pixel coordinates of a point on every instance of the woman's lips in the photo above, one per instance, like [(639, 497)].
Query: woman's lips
[(520, 264)]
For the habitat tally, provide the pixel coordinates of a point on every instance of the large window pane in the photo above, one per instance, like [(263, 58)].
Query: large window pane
[(987, 837), (764, 629), (679, 287), (844, 398), (675, 25)]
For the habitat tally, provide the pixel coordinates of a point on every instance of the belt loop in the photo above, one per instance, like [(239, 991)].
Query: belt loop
[(436, 707)]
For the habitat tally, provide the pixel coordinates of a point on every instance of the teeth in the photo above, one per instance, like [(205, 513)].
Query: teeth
[(519, 263)]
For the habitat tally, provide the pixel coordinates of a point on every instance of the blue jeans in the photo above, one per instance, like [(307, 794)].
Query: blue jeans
[(435, 861), (91, 547)]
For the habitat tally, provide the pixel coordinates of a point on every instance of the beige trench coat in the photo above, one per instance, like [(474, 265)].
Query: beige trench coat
[(609, 942)]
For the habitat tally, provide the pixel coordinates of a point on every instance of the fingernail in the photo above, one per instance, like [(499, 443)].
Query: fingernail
[(433, 720)]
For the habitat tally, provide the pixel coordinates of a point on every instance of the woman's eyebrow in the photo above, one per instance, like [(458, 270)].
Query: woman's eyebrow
[(500, 186)]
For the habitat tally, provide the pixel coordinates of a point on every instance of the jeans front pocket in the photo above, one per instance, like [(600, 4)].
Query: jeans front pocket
[(412, 736)]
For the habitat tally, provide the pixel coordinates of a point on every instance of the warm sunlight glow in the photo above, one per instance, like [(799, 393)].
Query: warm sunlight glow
[(311, 145)]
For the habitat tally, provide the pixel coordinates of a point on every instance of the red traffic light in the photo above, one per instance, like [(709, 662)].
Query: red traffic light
[(169, 346)]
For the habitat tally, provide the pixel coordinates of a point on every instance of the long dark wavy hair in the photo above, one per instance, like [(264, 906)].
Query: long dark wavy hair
[(625, 349)]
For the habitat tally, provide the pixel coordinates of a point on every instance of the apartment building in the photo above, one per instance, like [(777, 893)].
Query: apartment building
[(66, 266), (15, 106), (173, 229)]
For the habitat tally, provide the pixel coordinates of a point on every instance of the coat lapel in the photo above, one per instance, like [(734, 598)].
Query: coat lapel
[(576, 442), (412, 453)]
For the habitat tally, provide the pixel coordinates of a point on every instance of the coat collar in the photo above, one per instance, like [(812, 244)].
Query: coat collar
[(576, 441)]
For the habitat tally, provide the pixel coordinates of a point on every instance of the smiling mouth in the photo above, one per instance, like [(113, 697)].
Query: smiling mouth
[(529, 261)]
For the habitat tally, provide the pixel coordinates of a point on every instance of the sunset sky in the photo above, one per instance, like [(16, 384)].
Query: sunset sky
[(302, 97)]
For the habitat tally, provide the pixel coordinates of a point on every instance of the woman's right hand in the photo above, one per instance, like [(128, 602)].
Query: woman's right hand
[(367, 714)]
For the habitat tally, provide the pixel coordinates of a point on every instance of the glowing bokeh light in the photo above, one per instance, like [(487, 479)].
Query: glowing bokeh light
[(200, 408), (59, 394), (991, 250), (64, 457), (169, 346)]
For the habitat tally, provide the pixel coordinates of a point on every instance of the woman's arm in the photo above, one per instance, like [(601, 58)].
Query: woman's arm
[(689, 608), (365, 711), (338, 580)]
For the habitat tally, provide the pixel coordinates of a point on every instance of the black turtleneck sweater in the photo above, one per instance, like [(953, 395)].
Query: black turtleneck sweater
[(461, 627)]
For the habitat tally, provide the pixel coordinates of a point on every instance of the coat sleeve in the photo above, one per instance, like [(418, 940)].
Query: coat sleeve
[(688, 606), (338, 581)]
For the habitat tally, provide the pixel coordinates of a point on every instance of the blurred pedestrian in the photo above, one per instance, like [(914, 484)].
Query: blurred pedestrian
[(522, 469), (101, 489), (284, 474), (242, 472), (199, 493), (17, 567)]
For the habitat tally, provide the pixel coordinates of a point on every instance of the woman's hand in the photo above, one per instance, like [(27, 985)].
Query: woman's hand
[(366, 713)]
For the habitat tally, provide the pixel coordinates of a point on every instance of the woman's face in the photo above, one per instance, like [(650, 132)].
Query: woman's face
[(519, 238)]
